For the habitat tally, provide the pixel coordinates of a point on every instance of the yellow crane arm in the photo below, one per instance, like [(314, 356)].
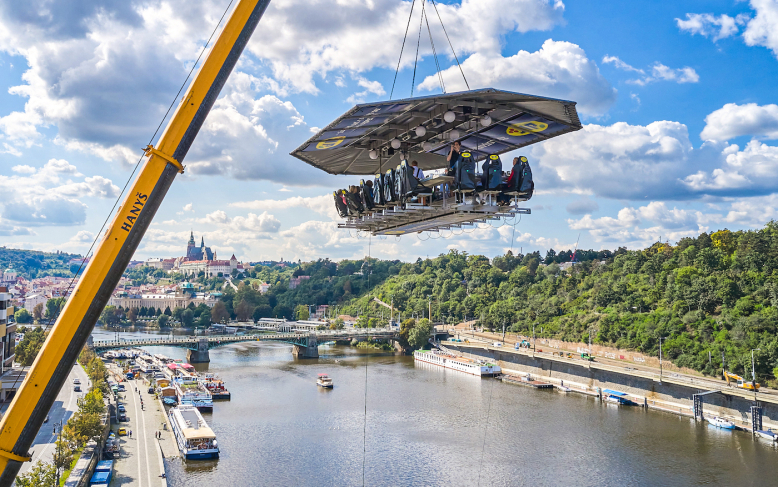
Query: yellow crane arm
[(48, 373)]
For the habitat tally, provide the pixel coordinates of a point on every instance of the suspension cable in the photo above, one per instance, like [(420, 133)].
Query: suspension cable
[(434, 52), (449, 43), (418, 43), (402, 49)]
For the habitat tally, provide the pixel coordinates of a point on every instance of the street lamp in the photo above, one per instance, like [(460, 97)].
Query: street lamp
[(753, 371), (660, 358)]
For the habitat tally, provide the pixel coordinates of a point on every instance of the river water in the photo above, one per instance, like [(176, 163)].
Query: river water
[(389, 422)]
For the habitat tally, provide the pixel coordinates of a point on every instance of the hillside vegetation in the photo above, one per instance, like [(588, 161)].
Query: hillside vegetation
[(716, 293), (33, 263)]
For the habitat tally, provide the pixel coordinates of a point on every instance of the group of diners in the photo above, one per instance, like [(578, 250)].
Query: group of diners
[(407, 184)]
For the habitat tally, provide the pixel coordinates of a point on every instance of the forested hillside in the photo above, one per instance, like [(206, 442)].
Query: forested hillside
[(714, 293), (33, 263)]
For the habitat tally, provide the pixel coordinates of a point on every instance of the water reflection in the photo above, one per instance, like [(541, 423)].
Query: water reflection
[(426, 426)]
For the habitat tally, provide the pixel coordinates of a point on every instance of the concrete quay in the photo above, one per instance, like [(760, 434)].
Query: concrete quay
[(673, 393)]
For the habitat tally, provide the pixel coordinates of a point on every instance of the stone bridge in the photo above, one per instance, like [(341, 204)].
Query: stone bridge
[(305, 345)]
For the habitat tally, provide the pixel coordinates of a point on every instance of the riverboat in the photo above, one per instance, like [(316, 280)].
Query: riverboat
[(617, 397), (325, 381), (461, 364), (146, 364), (190, 391), (721, 423), (195, 439), (767, 435), (215, 386)]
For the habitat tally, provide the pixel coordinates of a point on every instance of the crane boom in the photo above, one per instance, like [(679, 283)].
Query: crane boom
[(59, 352)]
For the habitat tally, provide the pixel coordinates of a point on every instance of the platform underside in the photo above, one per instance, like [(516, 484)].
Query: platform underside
[(395, 220)]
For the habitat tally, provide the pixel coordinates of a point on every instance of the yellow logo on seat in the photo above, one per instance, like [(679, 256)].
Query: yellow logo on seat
[(523, 159), (329, 143), (465, 154), (524, 128), (494, 157)]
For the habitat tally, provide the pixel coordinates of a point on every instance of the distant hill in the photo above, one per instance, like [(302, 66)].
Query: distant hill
[(34, 263)]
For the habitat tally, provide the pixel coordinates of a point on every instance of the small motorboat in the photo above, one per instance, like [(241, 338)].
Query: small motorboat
[(721, 423), (324, 380), (563, 389), (767, 435), (170, 401)]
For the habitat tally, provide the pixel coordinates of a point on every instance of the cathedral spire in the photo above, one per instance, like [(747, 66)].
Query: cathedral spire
[(202, 241), (191, 239)]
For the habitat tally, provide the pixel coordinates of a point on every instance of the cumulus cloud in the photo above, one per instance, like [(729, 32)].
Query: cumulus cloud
[(629, 224), (582, 206), (733, 120), (751, 171), (709, 25), (316, 38), (660, 72), (762, 30), (619, 161), (558, 69), (50, 195), (320, 204), (253, 223)]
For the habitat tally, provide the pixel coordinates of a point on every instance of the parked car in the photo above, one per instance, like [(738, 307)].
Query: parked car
[(76, 388), (76, 381), (121, 387), (122, 417), (122, 431), (151, 390), (121, 408)]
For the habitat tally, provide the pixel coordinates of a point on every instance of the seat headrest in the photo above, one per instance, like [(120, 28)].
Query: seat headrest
[(466, 155), (522, 158), (494, 157)]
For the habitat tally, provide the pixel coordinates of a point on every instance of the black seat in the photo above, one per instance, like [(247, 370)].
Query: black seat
[(465, 179), (339, 204), (355, 206), (522, 186), (378, 191), (492, 176), (389, 195)]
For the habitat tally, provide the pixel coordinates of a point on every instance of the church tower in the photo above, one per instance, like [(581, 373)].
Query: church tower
[(191, 244)]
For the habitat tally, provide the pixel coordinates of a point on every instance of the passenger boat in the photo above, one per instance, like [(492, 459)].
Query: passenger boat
[(194, 437), (146, 364), (563, 389), (462, 364), (324, 380), (767, 435), (190, 391), (215, 386), (721, 423), (617, 397)]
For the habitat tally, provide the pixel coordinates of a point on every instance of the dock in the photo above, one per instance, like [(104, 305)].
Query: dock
[(526, 381)]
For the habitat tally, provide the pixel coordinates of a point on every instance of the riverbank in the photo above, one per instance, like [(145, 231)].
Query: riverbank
[(670, 393)]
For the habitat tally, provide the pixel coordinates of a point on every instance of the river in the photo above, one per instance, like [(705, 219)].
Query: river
[(429, 426)]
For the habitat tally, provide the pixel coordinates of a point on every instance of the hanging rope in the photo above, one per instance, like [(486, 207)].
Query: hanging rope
[(434, 52), (402, 49), (449, 43), (418, 43), (486, 429), (127, 183)]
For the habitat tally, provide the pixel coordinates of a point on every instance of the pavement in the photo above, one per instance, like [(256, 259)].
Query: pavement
[(140, 462), (63, 408)]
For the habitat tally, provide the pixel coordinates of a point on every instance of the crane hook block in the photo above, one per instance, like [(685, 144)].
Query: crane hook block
[(149, 150)]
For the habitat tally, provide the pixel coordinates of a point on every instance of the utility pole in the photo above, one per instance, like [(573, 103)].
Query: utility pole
[(503, 332), (753, 372), (660, 359), (533, 339), (429, 303)]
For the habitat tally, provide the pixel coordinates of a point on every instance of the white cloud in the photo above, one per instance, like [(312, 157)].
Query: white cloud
[(50, 195), (620, 64), (251, 223), (627, 227), (733, 120), (660, 72), (751, 171), (323, 205), (558, 69), (315, 38), (709, 25), (582, 206), (762, 30)]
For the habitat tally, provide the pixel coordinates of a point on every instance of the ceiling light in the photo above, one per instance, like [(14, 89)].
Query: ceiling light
[(373, 154), (427, 146), (486, 120), (421, 131), (454, 134), (449, 116), (396, 143)]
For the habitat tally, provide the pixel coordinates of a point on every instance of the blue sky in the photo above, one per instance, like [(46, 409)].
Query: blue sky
[(678, 102)]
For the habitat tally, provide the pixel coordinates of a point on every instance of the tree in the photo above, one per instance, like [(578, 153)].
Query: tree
[(110, 316), (37, 312), (53, 307), (420, 333), (162, 320), (62, 456), (177, 313), (167, 311), (143, 311), (301, 312), (204, 321), (262, 311), (86, 426), (243, 311), (92, 403), (219, 313), (42, 474), (132, 315), (29, 346), (187, 317), (337, 324), (22, 316)]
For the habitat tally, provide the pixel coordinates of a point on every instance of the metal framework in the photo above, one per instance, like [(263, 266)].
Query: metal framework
[(360, 141)]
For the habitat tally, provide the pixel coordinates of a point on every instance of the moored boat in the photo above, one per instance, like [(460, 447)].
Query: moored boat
[(721, 423), (195, 439), (767, 435), (324, 380), (462, 364), (215, 386), (190, 391)]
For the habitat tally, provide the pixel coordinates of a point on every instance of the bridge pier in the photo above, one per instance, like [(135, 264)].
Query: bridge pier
[(201, 355), (309, 351)]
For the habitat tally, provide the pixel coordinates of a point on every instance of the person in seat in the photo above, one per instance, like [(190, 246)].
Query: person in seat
[(453, 157), (417, 173), (512, 184)]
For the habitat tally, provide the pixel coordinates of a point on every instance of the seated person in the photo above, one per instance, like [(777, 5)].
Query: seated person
[(453, 157), (512, 183), (417, 173)]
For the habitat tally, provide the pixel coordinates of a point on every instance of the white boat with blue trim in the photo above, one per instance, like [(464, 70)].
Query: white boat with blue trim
[(195, 439)]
